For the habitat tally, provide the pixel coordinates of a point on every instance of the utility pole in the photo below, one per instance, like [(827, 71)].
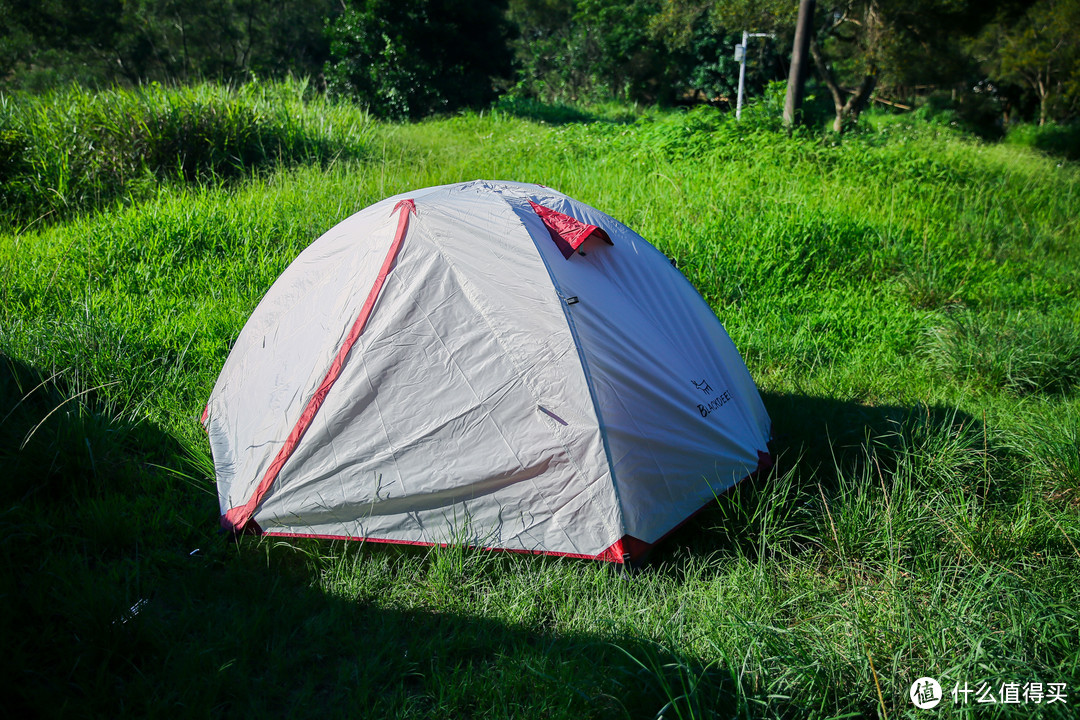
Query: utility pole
[(740, 55), (799, 54)]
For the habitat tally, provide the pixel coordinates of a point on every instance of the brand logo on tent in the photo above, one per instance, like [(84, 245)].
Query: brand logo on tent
[(717, 401), (715, 404), (703, 386)]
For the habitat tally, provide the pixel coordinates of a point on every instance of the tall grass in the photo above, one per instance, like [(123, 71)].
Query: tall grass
[(905, 299), (1022, 351), (69, 151), (1056, 140)]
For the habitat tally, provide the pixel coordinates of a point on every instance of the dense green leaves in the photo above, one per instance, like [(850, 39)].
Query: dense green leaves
[(133, 41), (1039, 50), (990, 63), (411, 58)]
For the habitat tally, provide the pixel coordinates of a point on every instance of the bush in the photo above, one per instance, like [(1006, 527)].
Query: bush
[(1053, 139), (408, 59), (70, 151)]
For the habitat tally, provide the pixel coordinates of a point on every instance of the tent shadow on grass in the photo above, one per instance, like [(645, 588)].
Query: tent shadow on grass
[(825, 432), (109, 612), (123, 598), (242, 637), (814, 439)]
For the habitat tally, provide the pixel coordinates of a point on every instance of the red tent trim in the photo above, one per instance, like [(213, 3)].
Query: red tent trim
[(236, 518), (620, 552), (626, 550)]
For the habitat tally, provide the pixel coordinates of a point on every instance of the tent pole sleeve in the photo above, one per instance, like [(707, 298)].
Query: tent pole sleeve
[(236, 518)]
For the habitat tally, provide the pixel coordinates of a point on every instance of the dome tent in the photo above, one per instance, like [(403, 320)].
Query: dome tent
[(486, 362)]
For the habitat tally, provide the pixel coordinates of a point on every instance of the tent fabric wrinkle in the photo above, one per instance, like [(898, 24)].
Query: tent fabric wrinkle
[(472, 386), (235, 518)]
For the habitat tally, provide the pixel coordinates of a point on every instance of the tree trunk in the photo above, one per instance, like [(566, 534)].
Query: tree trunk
[(1043, 93), (857, 102), (827, 77), (854, 104), (797, 73)]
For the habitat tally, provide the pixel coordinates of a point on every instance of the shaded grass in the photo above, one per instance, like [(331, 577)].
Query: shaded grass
[(69, 151), (922, 518), (1056, 140), (1021, 352)]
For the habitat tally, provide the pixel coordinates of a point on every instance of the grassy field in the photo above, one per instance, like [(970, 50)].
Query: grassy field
[(908, 301)]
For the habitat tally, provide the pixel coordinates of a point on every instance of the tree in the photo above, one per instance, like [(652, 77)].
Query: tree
[(863, 45), (588, 50), (410, 58), (1039, 50), (853, 31), (132, 41), (860, 46), (550, 50), (700, 39), (804, 29)]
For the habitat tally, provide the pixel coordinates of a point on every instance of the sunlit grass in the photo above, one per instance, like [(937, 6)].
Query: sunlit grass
[(906, 300)]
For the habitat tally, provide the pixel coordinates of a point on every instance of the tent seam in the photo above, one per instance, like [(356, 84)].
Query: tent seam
[(520, 373), (601, 425)]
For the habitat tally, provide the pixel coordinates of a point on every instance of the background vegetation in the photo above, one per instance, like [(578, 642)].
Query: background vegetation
[(994, 63), (905, 297)]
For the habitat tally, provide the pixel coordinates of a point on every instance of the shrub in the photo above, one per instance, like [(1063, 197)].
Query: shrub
[(71, 151), (410, 59), (1052, 139)]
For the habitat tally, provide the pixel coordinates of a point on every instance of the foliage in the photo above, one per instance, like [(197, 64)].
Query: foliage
[(67, 151), (922, 520), (702, 52), (980, 110), (996, 62), (417, 57), (858, 46), (588, 51), (1058, 140), (1039, 50), (50, 43), (870, 44)]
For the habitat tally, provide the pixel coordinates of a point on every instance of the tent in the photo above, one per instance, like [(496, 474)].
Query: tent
[(488, 363)]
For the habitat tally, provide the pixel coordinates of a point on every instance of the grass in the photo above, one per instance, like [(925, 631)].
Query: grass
[(69, 151), (1057, 140), (905, 298)]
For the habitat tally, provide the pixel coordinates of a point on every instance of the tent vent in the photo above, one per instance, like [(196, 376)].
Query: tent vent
[(567, 233)]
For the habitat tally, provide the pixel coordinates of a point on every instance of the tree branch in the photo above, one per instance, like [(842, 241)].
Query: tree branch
[(826, 74), (857, 102)]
